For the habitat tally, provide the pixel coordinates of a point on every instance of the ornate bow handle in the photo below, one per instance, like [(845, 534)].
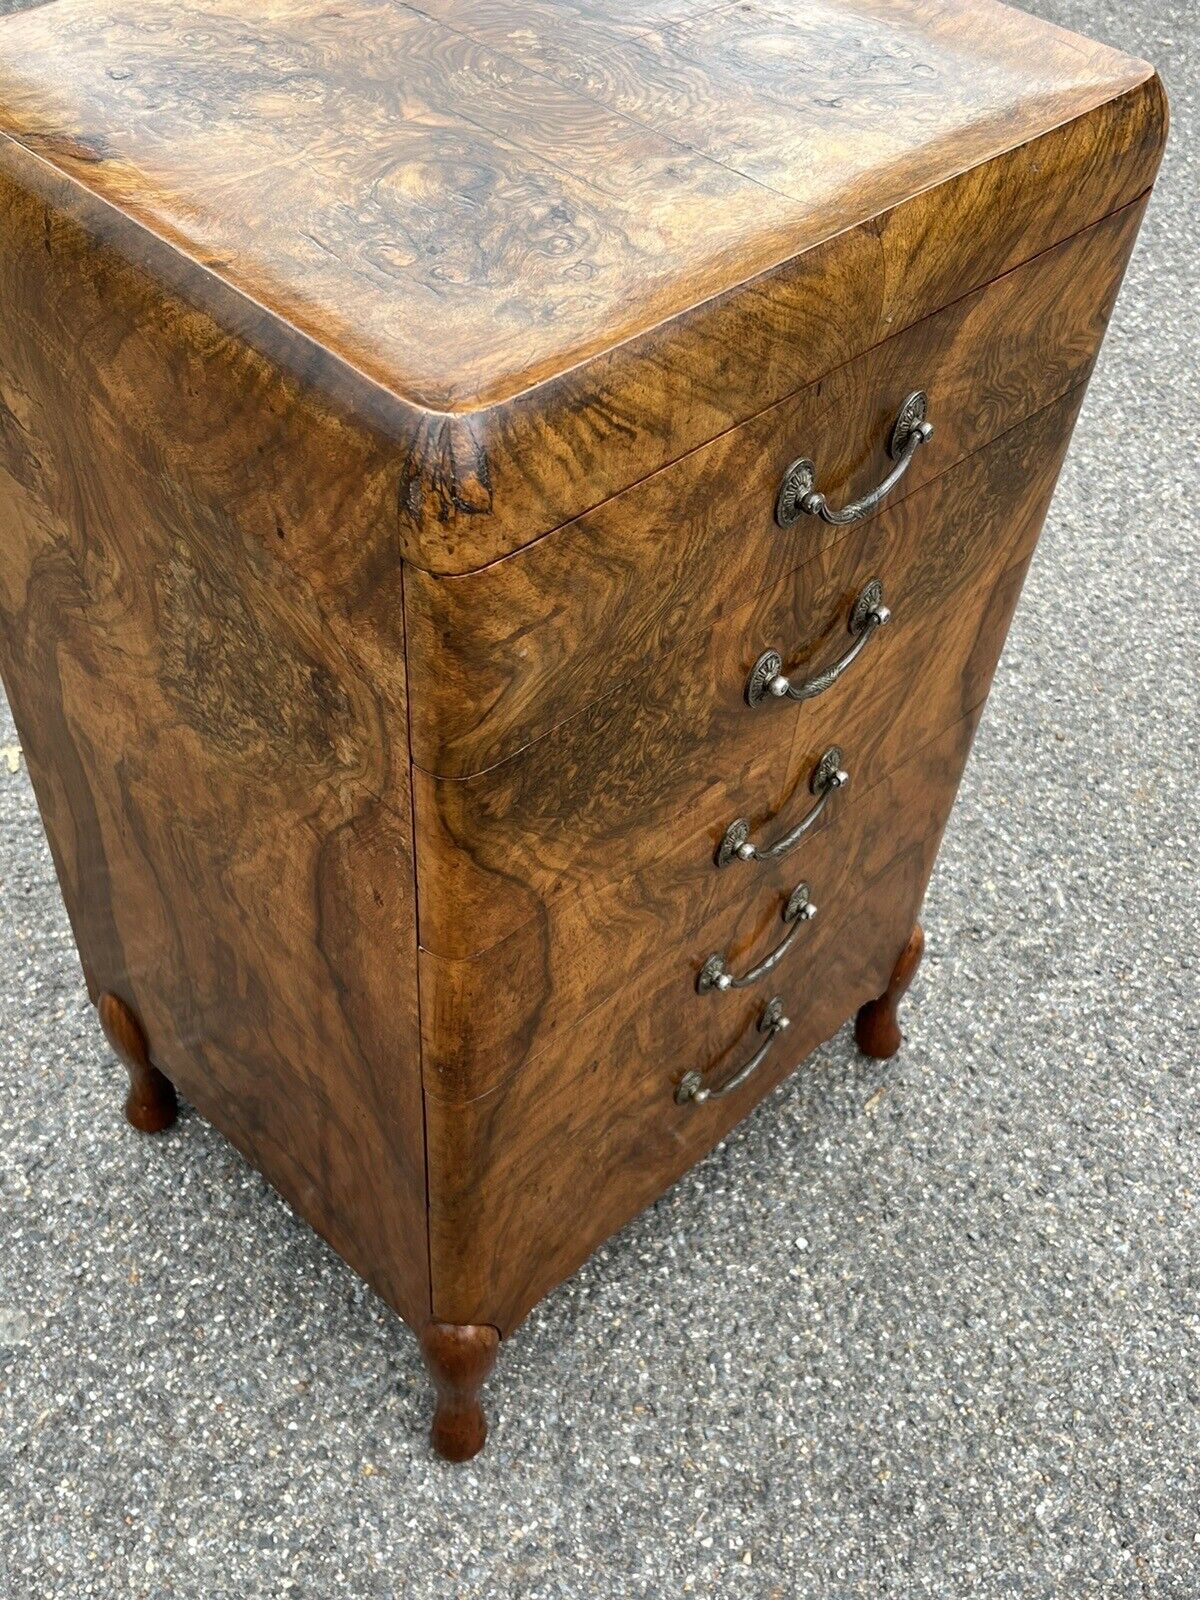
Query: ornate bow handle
[(798, 498), (826, 776), (715, 974), (867, 615), (692, 1090)]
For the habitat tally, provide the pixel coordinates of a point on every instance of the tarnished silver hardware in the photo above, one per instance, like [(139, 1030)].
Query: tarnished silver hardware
[(826, 776), (715, 974), (797, 497), (692, 1089), (867, 615)]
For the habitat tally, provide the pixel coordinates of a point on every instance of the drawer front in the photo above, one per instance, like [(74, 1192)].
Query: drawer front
[(502, 656), (526, 1180), (609, 793), (965, 208)]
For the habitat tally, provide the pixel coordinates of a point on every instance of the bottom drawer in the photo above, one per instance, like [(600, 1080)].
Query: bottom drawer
[(527, 1179)]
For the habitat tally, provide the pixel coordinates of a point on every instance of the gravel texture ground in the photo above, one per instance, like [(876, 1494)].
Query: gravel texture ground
[(921, 1330)]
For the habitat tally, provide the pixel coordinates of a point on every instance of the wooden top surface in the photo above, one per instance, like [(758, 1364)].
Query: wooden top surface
[(462, 199)]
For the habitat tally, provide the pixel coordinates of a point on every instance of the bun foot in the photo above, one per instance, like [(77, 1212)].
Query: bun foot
[(877, 1027), (150, 1105), (459, 1357)]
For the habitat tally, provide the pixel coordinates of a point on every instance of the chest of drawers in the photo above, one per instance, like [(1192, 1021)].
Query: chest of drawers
[(509, 510)]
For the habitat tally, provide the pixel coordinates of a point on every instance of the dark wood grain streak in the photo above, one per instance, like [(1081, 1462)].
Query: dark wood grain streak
[(502, 656), (635, 409), (569, 1148), (607, 297)]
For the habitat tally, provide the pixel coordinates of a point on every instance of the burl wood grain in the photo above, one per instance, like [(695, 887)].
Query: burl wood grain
[(603, 795), (630, 232), (303, 304), (200, 599), (970, 535), (502, 656), (526, 1180)]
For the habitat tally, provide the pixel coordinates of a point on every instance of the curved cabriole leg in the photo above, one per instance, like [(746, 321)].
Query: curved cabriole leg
[(459, 1357), (150, 1105), (877, 1028)]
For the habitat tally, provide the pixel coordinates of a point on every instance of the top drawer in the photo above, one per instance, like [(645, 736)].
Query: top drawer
[(542, 248), (500, 656)]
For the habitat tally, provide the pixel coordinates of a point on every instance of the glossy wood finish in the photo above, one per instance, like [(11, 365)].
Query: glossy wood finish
[(502, 656), (209, 689), (610, 289), (500, 319), (656, 885), (459, 1359), (150, 1105), (604, 794), (527, 1179), (877, 1025)]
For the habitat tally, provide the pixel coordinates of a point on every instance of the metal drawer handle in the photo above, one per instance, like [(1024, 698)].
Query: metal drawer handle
[(714, 974), (867, 615), (827, 776), (691, 1088), (798, 498)]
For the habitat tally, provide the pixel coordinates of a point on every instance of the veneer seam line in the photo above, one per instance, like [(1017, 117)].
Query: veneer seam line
[(414, 946), (630, 121)]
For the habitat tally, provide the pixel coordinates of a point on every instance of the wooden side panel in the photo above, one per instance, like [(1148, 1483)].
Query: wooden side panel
[(527, 1180), (503, 655), (201, 637), (604, 794)]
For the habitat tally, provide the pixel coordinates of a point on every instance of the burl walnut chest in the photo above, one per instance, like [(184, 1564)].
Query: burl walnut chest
[(509, 510)]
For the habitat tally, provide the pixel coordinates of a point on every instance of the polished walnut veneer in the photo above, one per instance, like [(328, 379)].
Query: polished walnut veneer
[(480, 759)]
